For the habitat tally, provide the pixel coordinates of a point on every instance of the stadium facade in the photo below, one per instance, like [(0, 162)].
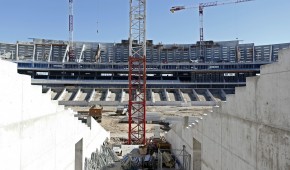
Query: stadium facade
[(178, 67), (225, 64)]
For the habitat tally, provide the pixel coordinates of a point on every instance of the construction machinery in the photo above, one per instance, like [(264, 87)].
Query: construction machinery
[(94, 111), (200, 7)]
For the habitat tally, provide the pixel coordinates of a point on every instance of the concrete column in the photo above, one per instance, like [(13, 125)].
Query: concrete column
[(152, 96), (195, 95), (49, 91), (82, 53), (196, 155), (17, 51), (92, 95), (77, 95), (223, 94), (208, 93), (34, 51), (181, 95), (122, 95), (50, 54), (79, 155), (185, 121), (271, 51), (108, 92), (166, 95), (65, 58), (62, 94), (254, 54)]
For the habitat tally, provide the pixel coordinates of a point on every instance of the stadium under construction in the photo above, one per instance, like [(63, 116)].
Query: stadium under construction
[(176, 73), (141, 104)]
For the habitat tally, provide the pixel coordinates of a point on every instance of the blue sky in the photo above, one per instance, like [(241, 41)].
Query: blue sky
[(259, 21)]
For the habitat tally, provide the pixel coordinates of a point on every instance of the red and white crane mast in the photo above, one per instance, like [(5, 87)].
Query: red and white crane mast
[(137, 73)]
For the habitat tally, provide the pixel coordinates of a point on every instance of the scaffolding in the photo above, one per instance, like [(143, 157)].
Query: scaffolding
[(102, 159)]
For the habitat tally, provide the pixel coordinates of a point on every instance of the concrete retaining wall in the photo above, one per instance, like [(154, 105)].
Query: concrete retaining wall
[(37, 133), (251, 130)]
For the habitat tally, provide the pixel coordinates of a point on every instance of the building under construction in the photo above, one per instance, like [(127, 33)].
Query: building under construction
[(175, 73), (225, 65), (246, 87)]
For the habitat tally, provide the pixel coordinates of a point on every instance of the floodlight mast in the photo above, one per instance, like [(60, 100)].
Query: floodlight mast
[(137, 73)]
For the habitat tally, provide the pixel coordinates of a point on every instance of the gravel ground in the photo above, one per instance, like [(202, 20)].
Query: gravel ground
[(111, 122)]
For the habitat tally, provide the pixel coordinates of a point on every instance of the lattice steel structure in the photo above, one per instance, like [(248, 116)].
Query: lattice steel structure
[(71, 26), (137, 73), (200, 7)]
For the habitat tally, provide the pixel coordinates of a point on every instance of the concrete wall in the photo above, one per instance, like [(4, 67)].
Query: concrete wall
[(251, 130), (37, 133)]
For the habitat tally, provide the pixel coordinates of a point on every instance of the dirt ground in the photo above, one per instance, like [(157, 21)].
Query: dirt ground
[(110, 121)]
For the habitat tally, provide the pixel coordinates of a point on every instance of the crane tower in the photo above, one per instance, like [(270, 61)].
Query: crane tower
[(200, 7), (71, 26), (137, 73)]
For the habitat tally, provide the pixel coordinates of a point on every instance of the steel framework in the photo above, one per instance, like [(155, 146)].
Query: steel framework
[(137, 73), (71, 26), (200, 7)]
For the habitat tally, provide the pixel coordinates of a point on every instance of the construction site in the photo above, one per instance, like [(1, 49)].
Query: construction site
[(137, 104)]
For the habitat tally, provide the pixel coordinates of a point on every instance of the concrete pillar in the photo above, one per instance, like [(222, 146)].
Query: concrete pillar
[(62, 94), (122, 95), (49, 91), (208, 93), (152, 96), (50, 54), (271, 51), (92, 95), (17, 51), (65, 58), (79, 155), (108, 92), (185, 121), (166, 95), (180, 95), (77, 95), (119, 95), (223, 94), (82, 53), (195, 95), (34, 52), (196, 155), (254, 54)]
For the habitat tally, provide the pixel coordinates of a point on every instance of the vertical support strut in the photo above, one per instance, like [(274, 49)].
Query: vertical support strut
[(71, 26), (137, 73), (201, 40)]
